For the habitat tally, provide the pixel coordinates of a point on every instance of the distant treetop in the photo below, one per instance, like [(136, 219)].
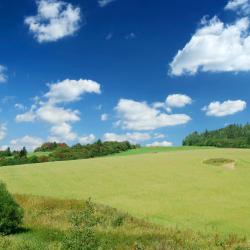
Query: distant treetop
[(232, 136)]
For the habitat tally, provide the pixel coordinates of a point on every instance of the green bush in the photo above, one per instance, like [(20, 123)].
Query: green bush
[(11, 214), (83, 235)]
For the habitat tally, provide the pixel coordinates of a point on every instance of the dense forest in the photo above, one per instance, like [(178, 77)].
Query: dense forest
[(62, 152), (232, 136)]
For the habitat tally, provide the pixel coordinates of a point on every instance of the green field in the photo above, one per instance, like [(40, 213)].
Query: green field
[(146, 150), (173, 188)]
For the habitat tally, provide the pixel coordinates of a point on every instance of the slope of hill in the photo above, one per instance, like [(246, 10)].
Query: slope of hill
[(48, 227), (170, 188)]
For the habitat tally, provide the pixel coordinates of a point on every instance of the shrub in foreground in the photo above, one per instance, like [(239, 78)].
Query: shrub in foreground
[(11, 214), (83, 235)]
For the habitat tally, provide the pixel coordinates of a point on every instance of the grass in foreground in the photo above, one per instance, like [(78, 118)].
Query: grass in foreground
[(173, 189), (46, 225)]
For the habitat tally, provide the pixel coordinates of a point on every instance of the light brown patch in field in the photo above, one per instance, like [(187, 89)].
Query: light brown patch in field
[(230, 166)]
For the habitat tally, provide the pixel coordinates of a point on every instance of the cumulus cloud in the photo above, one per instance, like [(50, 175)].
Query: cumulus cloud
[(27, 141), (140, 116), (178, 101), (159, 105), (216, 46), (240, 6), (62, 132), (131, 137), (158, 136), (57, 115), (54, 20), (103, 3), (47, 108), (225, 108), (104, 117), (28, 116), (173, 101), (160, 144), (87, 139), (71, 90)]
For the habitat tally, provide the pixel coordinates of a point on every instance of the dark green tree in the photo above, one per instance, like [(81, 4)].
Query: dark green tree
[(23, 153)]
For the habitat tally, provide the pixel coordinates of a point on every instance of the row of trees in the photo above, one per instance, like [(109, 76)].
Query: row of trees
[(232, 136), (17, 154), (51, 146), (61, 152), (97, 149)]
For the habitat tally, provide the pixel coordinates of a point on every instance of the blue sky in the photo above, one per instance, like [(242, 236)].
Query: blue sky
[(146, 71)]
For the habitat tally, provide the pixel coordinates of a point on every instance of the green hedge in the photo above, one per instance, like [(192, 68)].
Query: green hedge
[(11, 214)]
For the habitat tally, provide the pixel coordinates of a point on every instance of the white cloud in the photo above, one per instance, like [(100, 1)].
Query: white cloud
[(27, 141), (54, 20), (71, 90), (215, 47), (240, 6), (47, 108), (103, 3), (160, 144), (158, 136), (159, 105), (62, 132), (3, 76), (131, 137), (173, 101), (29, 116), (178, 101), (225, 108), (3, 131), (140, 116), (104, 117), (168, 109), (88, 139), (57, 115)]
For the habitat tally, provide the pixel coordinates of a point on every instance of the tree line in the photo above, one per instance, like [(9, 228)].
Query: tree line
[(232, 136), (62, 152)]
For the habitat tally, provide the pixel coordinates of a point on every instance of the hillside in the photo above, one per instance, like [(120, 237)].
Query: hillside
[(177, 188), (47, 223)]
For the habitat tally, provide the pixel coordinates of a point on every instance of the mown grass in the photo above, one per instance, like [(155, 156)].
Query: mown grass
[(147, 150), (47, 223), (173, 189)]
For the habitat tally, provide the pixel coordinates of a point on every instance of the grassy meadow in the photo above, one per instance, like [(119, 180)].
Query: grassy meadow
[(47, 225), (174, 188)]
